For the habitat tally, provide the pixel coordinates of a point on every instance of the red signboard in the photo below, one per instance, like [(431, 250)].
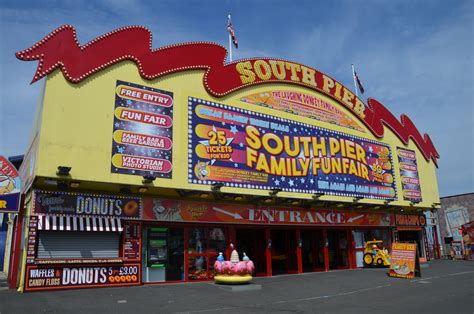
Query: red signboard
[(410, 220), (131, 241), (83, 276), (172, 210)]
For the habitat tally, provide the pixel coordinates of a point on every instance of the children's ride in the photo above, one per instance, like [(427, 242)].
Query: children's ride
[(233, 271), (374, 256)]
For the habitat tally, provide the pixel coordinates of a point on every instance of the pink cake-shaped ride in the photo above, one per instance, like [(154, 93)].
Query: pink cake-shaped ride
[(233, 271)]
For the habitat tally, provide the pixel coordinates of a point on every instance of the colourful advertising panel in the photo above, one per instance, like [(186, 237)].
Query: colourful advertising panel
[(48, 202), (84, 276), (303, 105), (10, 187), (245, 149), (143, 128), (32, 232), (411, 189), (131, 244), (174, 210), (403, 260)]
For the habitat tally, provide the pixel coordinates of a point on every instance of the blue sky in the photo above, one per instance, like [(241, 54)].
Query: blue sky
[(416, 57)]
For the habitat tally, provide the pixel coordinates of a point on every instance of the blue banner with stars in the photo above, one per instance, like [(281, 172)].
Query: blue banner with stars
[(246, 149), (143, 128)]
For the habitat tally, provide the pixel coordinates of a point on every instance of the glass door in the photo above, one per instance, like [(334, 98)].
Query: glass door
[(312, 250), (204, 245), (359, 247)]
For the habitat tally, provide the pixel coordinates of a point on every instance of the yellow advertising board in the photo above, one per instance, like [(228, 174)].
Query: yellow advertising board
[(404, 262)]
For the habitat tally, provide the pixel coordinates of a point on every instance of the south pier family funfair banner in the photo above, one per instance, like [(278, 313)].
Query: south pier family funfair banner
[(143, 128), (245, 149)]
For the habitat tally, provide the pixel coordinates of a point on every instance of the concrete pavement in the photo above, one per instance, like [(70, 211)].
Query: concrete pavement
[(445, 287)]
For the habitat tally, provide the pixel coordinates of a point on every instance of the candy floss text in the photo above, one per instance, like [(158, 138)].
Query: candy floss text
[(70, 276)]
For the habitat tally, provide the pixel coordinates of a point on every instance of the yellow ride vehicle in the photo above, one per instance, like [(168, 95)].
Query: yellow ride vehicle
[(374, 255)]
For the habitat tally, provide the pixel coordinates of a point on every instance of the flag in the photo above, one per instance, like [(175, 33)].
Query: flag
[(359, 84), (230, 29)]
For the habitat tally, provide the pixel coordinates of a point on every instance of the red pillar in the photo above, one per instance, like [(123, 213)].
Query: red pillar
[(299, 258), (326, 250), (15, 253), (186, 254), (268, 252), (437, 249), (351, 249)]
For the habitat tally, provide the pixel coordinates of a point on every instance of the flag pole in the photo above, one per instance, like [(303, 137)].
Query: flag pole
[(354, 78), (230, 41)]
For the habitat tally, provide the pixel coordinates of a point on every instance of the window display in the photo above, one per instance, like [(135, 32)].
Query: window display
[(204, 245)]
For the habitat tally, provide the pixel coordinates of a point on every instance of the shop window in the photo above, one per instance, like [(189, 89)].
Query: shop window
[(377, 234), (58, 244), (204, 245), (198, 267)]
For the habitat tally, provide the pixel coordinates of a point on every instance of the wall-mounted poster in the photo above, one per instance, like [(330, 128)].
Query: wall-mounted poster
[(411, 188), (245, 149), (303, 105), (143, 128)]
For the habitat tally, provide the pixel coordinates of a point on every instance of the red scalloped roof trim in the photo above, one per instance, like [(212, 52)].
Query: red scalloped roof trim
[(61, 49)]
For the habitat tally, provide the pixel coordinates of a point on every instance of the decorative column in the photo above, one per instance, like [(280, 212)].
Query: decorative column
[(326, 250)]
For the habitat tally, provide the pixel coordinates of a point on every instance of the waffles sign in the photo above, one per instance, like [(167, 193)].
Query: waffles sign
[(58, 277)]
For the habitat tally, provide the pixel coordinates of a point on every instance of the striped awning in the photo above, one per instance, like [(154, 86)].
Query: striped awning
[(79, 223)]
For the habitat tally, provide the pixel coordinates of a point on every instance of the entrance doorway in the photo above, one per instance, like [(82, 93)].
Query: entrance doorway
[(312, 250), (163, 254), (411, 237), (283, 251), (338, 249), (252, 242)]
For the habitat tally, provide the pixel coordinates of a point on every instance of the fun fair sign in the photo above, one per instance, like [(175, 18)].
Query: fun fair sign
[(134, 43)]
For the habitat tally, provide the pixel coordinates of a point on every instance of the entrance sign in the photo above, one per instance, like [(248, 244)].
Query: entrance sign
[(143, 131), (174, 210), (246, 149), (84, 276), (10, 187), (404, 262)]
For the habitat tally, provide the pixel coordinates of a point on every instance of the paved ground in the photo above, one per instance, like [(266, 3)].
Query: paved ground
[(446, 287)]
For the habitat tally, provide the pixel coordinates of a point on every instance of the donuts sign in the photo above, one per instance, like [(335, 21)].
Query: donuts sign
[(58, 277), (47, 202)]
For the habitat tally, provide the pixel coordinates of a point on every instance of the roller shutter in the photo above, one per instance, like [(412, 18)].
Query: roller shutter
[(62, 244)]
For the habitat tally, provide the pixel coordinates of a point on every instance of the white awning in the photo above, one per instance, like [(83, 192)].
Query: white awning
[(79, 223)]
